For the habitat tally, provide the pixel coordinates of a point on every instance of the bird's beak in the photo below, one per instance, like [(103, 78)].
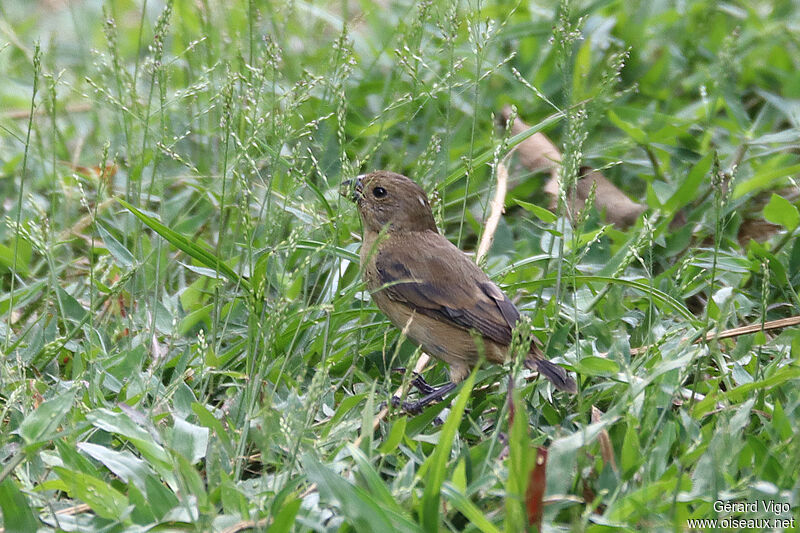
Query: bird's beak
[(352, 189)]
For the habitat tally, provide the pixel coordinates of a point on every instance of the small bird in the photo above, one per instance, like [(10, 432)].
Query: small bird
[(429, 288)]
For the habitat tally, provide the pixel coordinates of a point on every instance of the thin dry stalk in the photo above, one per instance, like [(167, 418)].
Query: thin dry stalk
[(497, 207), (735, 332)]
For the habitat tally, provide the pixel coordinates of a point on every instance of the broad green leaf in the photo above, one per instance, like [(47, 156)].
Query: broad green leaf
[(357, 505), (741, 418), (733, 102), (118, 251), (468, 509), (42, 424), (233, 498), (205, 417), (285, 519), (190, 321), (124, 464), (122, 425), (377, 486), (597, 366), (395, 436), (635, 133), (345, 407), (367, 416), (289, 493), (459, 478), (643, 498), (189, 440), (23, 260), (539, 212), (17, 514), (23, 295), (582, 68), (776, 270), (764, 179), (781, 423), (191, 480), (72, 308), (780, 211), (159, 496), (631, 456), (72, 458), (101, 497), (562, 454), (141, 510), (687, 190), (779, 377), (794, 261)]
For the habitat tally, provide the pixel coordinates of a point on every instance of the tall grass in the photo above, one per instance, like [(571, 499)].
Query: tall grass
[(186, 338)]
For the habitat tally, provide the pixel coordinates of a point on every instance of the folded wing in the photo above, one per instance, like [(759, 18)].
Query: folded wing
[(446, 285)]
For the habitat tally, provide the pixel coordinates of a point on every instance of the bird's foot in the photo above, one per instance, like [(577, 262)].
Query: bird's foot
[(433, 395), (418, 382), (410, 408), (422, 386)]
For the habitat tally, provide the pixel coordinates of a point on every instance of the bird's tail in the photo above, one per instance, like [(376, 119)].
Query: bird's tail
[(556, 374)]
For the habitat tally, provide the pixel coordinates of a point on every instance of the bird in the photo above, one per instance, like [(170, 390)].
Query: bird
[(429, 288)]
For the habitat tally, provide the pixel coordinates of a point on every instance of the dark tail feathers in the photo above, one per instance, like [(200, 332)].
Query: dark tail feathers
[(557, 375)]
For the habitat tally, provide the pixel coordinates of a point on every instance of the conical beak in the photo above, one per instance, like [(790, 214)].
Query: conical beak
[(352, 189)]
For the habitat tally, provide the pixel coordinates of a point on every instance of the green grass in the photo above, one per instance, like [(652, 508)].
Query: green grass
[(186, 342)]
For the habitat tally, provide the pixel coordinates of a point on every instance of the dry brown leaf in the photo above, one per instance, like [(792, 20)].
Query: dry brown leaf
[(538, 153), (534, 494), (755, 229), (606, 449), (95, 172), (753, 226), (615, 205)]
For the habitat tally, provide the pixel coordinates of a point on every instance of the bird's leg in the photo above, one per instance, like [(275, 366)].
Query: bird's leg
[(435, 395), (422, 385), (418, 382)]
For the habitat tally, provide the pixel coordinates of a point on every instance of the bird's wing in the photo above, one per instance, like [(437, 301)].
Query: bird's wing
[(436, 279)]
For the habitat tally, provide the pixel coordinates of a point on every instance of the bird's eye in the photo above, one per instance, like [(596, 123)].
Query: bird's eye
[(379, 192)]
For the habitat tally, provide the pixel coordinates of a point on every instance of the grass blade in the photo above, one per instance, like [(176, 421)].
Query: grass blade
[(437, 462), (183, 244)]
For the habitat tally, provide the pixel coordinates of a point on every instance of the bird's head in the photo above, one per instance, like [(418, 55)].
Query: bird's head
[(390, 200)]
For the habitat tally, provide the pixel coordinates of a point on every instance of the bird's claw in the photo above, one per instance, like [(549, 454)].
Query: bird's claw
[(411, 408), (431, 395)]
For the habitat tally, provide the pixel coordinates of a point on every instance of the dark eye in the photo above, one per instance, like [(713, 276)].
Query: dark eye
[(379, 192)]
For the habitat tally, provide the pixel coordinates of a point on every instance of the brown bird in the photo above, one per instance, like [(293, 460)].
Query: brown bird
[(429, 288)]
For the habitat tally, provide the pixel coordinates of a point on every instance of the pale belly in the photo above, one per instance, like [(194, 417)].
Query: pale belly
[(453, 345)]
